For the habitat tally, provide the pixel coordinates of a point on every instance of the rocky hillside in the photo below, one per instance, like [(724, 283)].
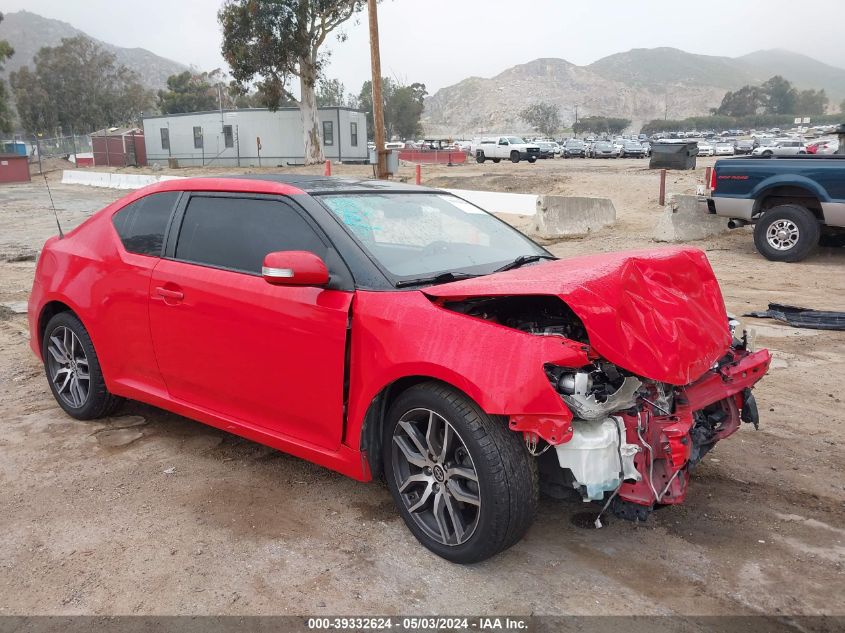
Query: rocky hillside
[(640, 85), (27, 32)]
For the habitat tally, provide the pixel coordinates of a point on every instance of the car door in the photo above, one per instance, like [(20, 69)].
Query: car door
[(503, 148), (229, 342)]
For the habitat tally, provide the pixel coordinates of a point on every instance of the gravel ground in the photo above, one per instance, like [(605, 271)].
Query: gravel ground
[(150, 513)]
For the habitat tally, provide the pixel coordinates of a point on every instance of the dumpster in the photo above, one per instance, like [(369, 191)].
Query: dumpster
[(673, 155)]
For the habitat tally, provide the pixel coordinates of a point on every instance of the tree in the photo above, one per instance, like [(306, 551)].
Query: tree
[(601, 125), (811, 102), (6, 51), (543, 117), (277, 40), (330, 93), (187, 92), (780, 96), (403, 107), (78, 86), (746, 101)]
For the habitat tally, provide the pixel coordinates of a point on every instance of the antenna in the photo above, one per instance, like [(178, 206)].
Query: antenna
[(53, 205)]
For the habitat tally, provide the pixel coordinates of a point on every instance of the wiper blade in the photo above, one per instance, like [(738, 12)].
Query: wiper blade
[(522, 260), (442, 278)]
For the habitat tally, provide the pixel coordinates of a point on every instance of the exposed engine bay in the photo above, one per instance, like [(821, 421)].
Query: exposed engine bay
[(632, 440), (637, 440), (536, 314)]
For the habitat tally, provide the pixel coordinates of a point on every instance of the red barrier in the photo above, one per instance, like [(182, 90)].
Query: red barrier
[(419, 174), (328, 170), (662, 194), (432, 157)]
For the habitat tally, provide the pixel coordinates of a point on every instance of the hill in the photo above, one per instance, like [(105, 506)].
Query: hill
[(641, 84), (27, 32)]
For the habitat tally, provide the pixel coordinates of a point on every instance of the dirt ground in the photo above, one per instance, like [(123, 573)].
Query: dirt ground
[(151, 513)]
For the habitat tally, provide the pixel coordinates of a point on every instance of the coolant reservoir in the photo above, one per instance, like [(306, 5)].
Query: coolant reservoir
[(593, 456)]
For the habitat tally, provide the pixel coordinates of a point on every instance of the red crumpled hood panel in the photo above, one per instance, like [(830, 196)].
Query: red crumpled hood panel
[(657, 313)]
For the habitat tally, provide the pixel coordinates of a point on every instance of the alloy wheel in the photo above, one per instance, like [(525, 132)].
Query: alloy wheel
[(435, 476), (782, 235), (68, 367)]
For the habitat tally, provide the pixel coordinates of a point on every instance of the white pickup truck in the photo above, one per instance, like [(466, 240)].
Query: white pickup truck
[(511, 147)]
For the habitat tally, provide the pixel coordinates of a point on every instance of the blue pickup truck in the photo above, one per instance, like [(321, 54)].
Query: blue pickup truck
[(794, 203)]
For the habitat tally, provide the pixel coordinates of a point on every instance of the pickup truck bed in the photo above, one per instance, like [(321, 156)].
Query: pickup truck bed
[(793, 202)]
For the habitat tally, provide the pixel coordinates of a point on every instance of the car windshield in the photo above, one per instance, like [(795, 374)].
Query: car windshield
[(414, 235), (632, 144), (604, 145), (515, 140), (574, 144)]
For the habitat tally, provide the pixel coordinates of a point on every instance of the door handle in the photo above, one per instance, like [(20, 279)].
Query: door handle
[(173, 295)]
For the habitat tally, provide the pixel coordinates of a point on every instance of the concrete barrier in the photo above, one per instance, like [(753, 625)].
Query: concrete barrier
[(686, 218), (498, 202), (568, 216), (111, 180)]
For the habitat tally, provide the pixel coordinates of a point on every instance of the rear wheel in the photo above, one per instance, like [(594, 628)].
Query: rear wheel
[(514, 156), (464, 484), (480, 158), (786, 233), (73, 369), (496, 160)]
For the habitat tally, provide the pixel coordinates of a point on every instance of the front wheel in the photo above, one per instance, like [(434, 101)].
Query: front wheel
[(464, 484), (73, 369), (532, 159), (514, 157), (786, 233), (496, 160)]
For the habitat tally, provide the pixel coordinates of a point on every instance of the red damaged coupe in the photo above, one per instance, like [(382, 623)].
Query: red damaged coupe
[(381, 329)]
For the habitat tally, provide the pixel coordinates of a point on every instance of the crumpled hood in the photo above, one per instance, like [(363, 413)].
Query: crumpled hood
[(657, 313)]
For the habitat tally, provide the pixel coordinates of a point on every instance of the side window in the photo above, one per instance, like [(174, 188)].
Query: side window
[(228, 137), (197, 137), (165, 138), (328, 132), (353, 133), (141, 224), (236, 233)]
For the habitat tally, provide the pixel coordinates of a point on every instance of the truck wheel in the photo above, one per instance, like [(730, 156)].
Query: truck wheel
[(786, 233), (464, 484), (480, 158), (496, 160), (532, 159), (514, 157)]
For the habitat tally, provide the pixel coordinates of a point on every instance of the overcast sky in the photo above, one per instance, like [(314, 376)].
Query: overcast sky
[(440, 42)]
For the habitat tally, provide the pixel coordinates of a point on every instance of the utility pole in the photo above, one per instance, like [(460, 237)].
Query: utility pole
[(378, 106)]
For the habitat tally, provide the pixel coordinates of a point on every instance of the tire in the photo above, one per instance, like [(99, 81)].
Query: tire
[(480, 158), (514, 157), (786, 233), (532, 159), (766, 154), (64, 331), (506, 486), (496, 160)]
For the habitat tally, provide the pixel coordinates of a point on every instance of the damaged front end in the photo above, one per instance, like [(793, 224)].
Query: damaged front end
[(639, 439), (666, 377)]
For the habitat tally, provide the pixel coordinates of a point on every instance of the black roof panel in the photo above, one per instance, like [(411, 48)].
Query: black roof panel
[(333, 184)]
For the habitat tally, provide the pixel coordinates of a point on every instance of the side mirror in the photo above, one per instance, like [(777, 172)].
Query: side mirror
[(294, 268)]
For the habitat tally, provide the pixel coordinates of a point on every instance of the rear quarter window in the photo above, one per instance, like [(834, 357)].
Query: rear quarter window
[(141, 224)]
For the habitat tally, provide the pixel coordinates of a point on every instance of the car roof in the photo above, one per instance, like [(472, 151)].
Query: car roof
[(286, 184)]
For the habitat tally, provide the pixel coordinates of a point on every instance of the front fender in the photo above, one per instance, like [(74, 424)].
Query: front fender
[(401, 334)]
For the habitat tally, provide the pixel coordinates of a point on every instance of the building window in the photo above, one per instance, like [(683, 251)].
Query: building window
[(165, 138), (197, 137), (353, 131), (328, 132), (228, 137)]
